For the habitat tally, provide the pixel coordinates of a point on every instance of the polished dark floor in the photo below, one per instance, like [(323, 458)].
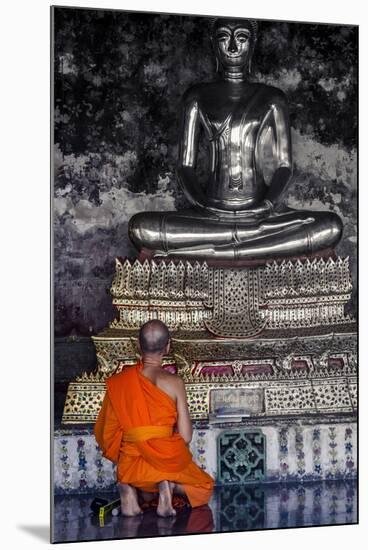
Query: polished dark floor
[(231, 508)]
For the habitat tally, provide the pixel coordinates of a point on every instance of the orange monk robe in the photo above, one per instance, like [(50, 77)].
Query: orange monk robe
[(134, 429)]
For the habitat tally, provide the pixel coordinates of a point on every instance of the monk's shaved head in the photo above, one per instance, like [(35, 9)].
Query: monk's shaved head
[(153, 337)]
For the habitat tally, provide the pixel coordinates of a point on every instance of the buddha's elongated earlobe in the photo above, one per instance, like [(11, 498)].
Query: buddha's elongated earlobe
[(214, 51), (251, 56)]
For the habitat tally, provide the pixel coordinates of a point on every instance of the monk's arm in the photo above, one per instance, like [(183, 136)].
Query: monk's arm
[(184, 423), (107, 430)]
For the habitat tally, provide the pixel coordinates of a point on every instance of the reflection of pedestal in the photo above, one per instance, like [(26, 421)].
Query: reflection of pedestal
[(277, 331)]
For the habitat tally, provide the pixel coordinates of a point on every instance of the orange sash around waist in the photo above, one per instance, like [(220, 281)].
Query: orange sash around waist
[(142, 433)]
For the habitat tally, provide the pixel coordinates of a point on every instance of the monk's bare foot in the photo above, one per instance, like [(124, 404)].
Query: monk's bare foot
[(165, 508), (129, 501)]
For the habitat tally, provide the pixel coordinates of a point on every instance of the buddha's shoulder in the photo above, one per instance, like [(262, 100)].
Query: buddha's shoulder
[(271, 93), (200, 90), (266, 92), (209, 89)]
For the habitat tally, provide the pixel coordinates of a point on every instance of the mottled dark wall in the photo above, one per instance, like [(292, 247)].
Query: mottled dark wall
[(119, 78)]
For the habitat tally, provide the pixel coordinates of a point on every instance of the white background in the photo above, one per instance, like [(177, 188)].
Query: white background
[(25, 267)]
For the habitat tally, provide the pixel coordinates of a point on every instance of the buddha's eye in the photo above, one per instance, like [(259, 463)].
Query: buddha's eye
[(222, 36), (242, 37)]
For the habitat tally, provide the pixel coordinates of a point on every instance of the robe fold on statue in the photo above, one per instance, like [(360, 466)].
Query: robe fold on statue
[(134, 429)]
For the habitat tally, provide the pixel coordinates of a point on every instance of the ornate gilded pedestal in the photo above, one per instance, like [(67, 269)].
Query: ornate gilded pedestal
[(277, 332), (268, 357)]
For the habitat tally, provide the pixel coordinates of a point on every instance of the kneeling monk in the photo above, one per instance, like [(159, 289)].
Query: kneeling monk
[(145, 428)]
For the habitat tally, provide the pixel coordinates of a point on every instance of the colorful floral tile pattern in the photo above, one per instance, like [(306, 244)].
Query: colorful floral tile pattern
[(283, 452), (79, 465), (65, 464), (349, 461), (82, 463), (333, 452), (320, 452), (299, 449), (198, 448), (316, 452)]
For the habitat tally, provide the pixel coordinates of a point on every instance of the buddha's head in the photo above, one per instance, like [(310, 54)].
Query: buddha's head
[(234, 41)]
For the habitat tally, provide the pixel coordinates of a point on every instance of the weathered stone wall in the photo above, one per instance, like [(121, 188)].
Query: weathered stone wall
[(119, 77)]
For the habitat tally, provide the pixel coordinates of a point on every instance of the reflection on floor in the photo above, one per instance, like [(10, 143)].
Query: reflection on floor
[(231, 508)]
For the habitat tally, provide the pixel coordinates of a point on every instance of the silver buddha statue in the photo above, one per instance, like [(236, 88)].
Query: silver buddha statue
[(241, 214)]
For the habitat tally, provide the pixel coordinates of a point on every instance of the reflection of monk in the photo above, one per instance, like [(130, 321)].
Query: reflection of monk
[(145, 428), (190, 521)]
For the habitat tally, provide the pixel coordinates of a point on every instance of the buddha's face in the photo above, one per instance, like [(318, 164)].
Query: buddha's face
[(233, 43)]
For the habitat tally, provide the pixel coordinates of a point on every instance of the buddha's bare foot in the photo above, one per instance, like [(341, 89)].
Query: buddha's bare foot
[(129, 501), (165, 507), (159, 254), (193, 251)]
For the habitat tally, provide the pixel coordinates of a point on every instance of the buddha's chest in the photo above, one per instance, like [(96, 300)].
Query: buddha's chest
[(231, 116)]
